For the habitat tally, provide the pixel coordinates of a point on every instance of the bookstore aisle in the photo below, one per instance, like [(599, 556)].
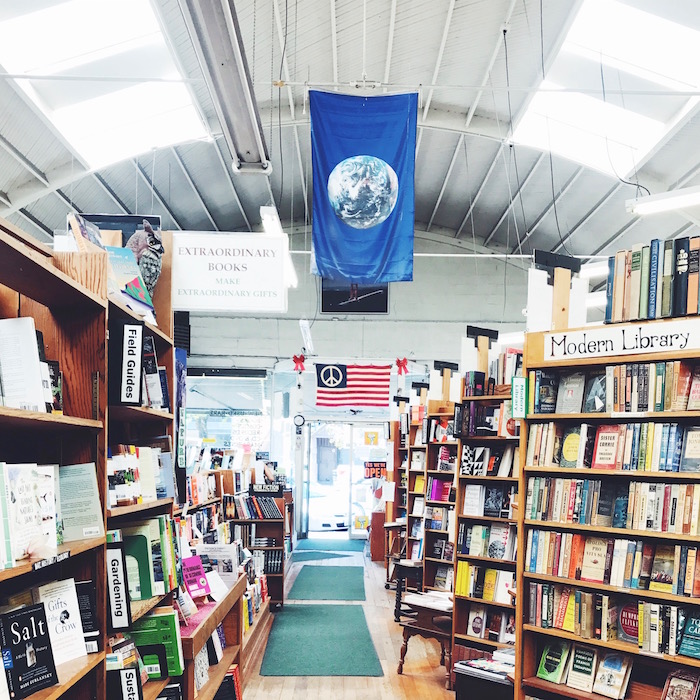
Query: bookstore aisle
[(423, 677)]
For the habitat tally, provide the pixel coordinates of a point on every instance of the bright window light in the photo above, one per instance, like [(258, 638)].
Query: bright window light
[(105, 122), (603, 134)]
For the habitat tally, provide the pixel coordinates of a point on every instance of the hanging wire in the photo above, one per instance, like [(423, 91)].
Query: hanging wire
[(153, 175)]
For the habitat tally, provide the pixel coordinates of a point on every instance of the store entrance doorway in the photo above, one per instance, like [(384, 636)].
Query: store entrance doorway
[(339, 497)]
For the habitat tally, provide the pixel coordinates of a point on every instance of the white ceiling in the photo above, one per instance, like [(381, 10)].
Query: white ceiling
[(471, 184)]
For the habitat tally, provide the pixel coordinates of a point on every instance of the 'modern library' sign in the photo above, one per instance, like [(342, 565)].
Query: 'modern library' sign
[(624, 339), (229, 272)]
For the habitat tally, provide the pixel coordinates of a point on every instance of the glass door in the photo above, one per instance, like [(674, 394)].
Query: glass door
[(369, 453)]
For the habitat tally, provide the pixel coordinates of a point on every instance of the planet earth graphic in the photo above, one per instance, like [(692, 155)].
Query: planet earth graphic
[(362, 191)]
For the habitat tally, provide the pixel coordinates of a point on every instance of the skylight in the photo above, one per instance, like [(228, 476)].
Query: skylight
[(105, 121), (639, 52)]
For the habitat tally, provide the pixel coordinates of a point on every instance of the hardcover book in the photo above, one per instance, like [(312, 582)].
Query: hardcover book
[(690, 456), (582, 668), (662, 568), (628, 623), (690, 642), (63, 619), (568, 459), (547, 384), (553, 662), (26, 651), (681, 684), (594, 395), (570, 394), (613, 675), (476, 624), (607, 444)]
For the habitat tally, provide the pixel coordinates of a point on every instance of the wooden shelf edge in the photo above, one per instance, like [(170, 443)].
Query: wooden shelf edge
[(18, 417), (138, 413), (629, 473), (126, 311), (634, 690), (488, 560), (120, 511), (478, 640), (139, 608), (251, 634), (153, 688), (191, 644), (64, 551), (481, 601), (593, 529), (69, 674), (615, 417)]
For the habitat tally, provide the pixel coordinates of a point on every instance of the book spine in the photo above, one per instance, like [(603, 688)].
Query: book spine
[(609, 290), (680, 277), (693, 275), (653, 277)]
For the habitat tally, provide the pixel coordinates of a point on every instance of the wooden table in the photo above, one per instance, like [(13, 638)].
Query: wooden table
[(405, 569), (432, 621)]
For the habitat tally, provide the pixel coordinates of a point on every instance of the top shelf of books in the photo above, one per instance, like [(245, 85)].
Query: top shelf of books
[(32, 271), (637, 342), (120, 309)]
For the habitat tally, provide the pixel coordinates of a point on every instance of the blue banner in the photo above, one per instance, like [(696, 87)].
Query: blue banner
[(363, 169)]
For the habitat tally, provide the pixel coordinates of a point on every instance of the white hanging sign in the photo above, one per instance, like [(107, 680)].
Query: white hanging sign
[(229, 272), (627, 339)]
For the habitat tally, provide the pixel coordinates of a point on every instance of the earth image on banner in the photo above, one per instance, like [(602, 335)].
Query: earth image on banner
[(363, 191)]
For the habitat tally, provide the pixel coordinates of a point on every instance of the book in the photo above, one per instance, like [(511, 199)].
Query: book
[(690, 641), (154, 392), (613, 674), (570, 393), (63, 619), (476, 623), (87, 603), (161, 627), (582, 668), (20, 366), (194, 577), (680, 276), (553, 661), (22, 516), (681, 684), (26, 651), (607, 446), (662, 568), (594, 396), (125, 284), (81, 511), (594, 560), (568, 458), (690, 454)]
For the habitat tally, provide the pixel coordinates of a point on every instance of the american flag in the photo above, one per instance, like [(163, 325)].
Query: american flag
[(352, 385)]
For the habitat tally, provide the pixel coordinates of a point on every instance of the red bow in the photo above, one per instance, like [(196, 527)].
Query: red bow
[(298, 363), (402, 364)]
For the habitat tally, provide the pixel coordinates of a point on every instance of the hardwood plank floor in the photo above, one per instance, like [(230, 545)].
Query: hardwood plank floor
[(423, 678)]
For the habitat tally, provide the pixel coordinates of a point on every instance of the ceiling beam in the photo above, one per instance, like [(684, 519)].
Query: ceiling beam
[(438, 60), (567, 186), (34, 221), (156, 194), (4, 200), (111, 193), (23, 161), (334, 41), (67, 201), (453, 160), (390, 40), (480, 190), (290, 99), (195, 190), (519, 193)]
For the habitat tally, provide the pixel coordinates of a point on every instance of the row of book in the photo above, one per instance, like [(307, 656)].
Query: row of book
[(492, 585), (252, 507), (43, 506), (507, 365), (477, 460), (201, 488), (489, 501), (637, 505), (269, 561), (443, 577), (625, 388), (658, 280), (152, 544), (442, 549), (439, 489), (494, 541), (140, 473), (437, 518), (28, 380), (474, 419), (43, 627), (205, 523), (491, 623), (583, 668), (647, 446)]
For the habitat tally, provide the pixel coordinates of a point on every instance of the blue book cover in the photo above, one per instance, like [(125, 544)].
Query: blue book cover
[(677, 449), (671, 446), (609, 289), (637, 428), (631, 548), (664, 446), (635, 569), (584, 500), (533, 553), (681, 569), (653, 277), (620, 504), (690, 642)]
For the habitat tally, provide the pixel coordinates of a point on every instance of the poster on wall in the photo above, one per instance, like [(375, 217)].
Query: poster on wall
[(229, 272)]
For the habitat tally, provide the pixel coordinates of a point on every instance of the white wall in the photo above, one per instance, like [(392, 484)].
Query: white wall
[(426, 321)]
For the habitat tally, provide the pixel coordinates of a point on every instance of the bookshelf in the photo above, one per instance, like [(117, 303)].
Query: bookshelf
[(478, 554), (66, 295), (649, 666), (415, 484)]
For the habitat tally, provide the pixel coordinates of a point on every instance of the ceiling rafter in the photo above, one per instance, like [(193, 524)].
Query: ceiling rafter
[(23, 161), (290, 99), (4, 200), (468, 121), (68, 201), (513, 198), (111, 193), (334, 41), (229, 177), (390, 41), (33, 220), (195, 189), (156, 194), (438, 59), (552, 204)]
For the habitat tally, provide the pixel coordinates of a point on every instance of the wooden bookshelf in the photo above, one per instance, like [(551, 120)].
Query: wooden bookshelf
[(139, 608), (481, 601), (144, 508), (531, 638), (254, 639), (66, 296), (138, 414), (490, 561), (153, 688), (217, 673), (496, 479), (479, 641), (487, 519), (119, 308)]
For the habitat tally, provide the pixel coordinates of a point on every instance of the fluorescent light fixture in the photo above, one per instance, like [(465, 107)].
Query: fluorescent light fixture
[(273, 226), (103, 122), (595, 300), (217, 40), (593, 270), (666, 201)]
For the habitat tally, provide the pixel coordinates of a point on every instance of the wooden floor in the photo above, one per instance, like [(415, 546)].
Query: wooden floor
[(423, 678)]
